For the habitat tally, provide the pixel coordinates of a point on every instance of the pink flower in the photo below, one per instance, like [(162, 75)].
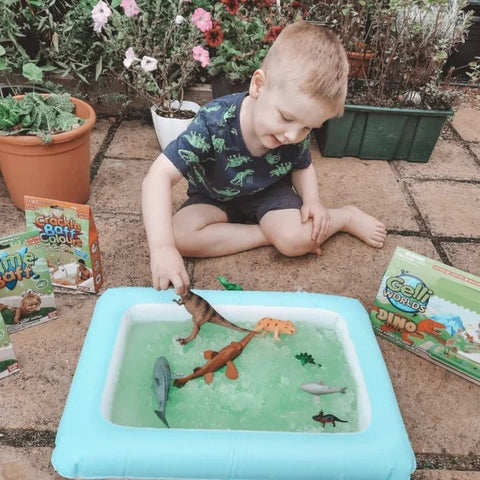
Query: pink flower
[(202, 19), (100, 14), (201, 55), (129, 57), (148, 64), (130, 7)]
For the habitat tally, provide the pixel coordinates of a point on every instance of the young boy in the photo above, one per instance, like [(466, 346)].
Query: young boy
[(241, 156)]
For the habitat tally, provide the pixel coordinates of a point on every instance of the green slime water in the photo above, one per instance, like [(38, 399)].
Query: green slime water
[(266, 395)]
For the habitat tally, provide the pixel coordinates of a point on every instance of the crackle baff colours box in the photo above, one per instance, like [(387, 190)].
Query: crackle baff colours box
[(69, 236), (431, 309), (26, 292)]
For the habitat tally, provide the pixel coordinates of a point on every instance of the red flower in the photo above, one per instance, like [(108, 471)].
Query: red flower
[(272, 33), (214, 36), (231, 5), (264, 3)]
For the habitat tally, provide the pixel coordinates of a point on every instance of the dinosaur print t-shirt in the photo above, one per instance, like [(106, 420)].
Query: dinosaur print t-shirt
[(212, 156)]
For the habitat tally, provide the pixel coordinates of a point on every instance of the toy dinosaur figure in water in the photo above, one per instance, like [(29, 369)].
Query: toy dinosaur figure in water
[(327, 418), (218, 360), (202, 312)]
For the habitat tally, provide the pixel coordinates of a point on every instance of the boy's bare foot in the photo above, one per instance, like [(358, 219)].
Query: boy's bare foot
[(364, 227)]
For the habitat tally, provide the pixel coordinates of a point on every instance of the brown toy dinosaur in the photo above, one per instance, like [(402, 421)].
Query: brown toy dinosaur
[(218, 360), (202, 312), (327, 418)]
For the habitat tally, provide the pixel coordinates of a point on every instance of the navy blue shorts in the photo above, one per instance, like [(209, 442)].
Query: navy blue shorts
[(251, 208)]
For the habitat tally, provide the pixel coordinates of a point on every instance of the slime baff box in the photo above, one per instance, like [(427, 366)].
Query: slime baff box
[(431, 309), (26, 292), (8, 361), (69, 236)]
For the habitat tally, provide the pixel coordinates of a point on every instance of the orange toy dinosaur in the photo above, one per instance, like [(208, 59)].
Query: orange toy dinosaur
[(267, 324), (427, 326), (218, 360)]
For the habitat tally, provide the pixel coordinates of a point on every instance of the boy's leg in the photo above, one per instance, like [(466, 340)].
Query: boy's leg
[(350, 219), (202, 230), (291, 237)]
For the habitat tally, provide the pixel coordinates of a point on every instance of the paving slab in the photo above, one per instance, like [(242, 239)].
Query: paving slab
[(466, 122), (134, 139), (446, 475), (12, 218), (439, 408), (98, 135), (118, 184), (347, 267), (476, 150), (26, 464), (124, 251), (47, 355), (369, 184), (465, 256), (449, 208), (449, 160)]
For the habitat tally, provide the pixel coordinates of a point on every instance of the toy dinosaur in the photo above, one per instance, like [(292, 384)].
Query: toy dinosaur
[(267, 324), (202, 312), (218, 360), (227, 285), (327, 418), (306, 358)]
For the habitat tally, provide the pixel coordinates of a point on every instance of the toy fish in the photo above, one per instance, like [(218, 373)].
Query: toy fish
[(218, 360), (306, 358), (319, 388), (161, 385), (327, 418), (202, 312)]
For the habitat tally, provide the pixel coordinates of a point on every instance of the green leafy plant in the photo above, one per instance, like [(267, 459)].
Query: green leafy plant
[(35, 114)]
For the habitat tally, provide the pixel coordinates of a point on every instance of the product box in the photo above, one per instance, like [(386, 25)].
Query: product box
[(431, 309), (26, 292), (8, 361), (69, 236)]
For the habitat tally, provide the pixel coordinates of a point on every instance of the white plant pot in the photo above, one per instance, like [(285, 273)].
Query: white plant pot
[(168, 129)]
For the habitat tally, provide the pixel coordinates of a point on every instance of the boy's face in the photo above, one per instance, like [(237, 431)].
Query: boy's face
[(284, 115)]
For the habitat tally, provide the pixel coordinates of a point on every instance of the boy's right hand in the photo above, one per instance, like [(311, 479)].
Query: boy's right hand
[(168, 269)]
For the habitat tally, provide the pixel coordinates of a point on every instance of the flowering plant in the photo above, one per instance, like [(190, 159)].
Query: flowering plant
[(242, 32), (154, 47)]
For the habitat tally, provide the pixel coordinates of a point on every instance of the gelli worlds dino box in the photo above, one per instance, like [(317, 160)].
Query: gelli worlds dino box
[(431, 309)]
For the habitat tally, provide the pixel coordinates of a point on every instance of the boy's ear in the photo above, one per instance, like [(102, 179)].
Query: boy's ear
[(257, 82)]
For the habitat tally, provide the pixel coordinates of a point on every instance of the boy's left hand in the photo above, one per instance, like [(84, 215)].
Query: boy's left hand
[(320, 220)]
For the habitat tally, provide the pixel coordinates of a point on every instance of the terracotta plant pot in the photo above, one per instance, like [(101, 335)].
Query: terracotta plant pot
[(58, 170), (359, 60)]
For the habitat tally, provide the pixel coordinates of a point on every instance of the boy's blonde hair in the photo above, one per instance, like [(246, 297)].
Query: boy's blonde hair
[(314, 58)]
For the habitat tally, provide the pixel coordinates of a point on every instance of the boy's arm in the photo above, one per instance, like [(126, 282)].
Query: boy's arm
[(306, 184), (165, 260)]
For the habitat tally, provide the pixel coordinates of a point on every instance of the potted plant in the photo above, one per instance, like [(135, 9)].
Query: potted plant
[(352, 22), (398, 111), (45, 146), (155, 49), (240, 37)]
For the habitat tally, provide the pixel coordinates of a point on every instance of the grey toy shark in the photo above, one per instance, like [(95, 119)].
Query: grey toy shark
[(162, 378)]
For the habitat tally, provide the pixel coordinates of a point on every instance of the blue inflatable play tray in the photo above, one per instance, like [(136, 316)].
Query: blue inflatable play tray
[(315, 404)]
